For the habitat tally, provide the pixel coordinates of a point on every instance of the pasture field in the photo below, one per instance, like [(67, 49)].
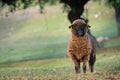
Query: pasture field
[(107, 67), (34, 48)]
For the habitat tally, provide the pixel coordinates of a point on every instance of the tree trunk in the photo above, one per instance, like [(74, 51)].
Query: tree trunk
[(77, 8), (117, 15), (75, 14)]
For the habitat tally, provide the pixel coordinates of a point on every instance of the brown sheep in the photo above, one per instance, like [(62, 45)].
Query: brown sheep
[(81, 46)]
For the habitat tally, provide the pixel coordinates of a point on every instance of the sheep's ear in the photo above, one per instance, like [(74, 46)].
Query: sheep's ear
[(88, 26), (70, 27)]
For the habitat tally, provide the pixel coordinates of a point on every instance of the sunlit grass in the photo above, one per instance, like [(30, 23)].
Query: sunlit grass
[(37, 38), (107, 64)]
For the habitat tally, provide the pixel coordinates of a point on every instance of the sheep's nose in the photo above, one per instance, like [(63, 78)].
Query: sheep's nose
[(80, 32)]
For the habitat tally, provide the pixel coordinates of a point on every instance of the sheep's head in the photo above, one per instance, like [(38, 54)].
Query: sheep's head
[(79, 28)]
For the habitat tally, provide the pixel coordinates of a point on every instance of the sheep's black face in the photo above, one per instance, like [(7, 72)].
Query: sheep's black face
[(79, 27), (78, 30)]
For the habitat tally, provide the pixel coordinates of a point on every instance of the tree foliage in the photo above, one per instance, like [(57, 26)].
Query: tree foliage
[(23, 4), (115, 3)]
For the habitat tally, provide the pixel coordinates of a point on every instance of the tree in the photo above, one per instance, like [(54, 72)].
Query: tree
[(18, 4), (77, 8), (23, 4), (116, 5)]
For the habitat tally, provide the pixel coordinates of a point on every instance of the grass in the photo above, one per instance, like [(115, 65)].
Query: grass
[(107, 65), (103, 25), (35, 47), (31, 39)]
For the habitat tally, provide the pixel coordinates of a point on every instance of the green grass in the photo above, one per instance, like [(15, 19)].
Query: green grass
[(104, 24), (31, 39), (100, 29), (107, 65)]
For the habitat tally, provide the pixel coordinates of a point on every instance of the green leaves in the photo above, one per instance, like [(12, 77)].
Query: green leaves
[(23, 4)]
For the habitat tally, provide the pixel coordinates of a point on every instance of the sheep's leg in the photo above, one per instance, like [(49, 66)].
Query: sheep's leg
[(86, 59), (84, 66), (76, 64), (92, 62)]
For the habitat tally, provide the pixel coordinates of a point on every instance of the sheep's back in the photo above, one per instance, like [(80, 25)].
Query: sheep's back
[(93, 44)]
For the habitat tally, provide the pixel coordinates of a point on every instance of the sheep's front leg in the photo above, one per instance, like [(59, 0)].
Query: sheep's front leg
[(86, 59), (84, 66), (76, 64)]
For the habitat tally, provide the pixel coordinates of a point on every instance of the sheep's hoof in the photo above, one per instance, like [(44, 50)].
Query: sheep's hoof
[(78, 72)]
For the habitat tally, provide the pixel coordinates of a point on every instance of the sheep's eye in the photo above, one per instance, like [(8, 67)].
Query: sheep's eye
[(84, 25)]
